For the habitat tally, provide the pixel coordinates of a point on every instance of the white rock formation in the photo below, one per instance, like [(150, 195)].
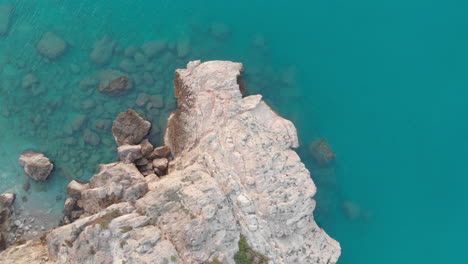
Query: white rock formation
[(233, 172)]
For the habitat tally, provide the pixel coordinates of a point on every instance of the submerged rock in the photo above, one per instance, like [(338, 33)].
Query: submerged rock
[(51, 45), (321, 151), (37, 166), (103, 51), (130, 128), (114, 82), (6, 11), (154, 48)]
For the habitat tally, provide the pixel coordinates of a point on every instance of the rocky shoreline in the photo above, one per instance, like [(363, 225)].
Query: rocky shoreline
[(227, 180)]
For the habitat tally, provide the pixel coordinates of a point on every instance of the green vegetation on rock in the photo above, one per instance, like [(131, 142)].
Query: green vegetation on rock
[(246, 255)]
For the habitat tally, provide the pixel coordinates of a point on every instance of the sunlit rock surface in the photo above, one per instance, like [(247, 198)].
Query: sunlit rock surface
[(233, 171)]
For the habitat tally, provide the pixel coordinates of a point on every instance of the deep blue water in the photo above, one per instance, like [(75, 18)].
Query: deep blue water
[(385, 82)]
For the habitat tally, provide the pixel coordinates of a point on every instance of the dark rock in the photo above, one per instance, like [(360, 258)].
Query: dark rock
[(161, 152), (146, 147), (130, 128), (321, 151), (37, 166), (70, 204), (114, 82)]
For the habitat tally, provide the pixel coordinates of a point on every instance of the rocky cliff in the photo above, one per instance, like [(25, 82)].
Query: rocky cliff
[(232, 174)]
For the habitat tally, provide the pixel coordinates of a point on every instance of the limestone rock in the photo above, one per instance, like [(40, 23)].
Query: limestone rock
[(51, 45), (146, 147), (103, 51), (130, 128), (70, 204), (129, 153), (37, 166), (6, 200), (234, 172), (74, 189), (160, 164), (161, 152), (114, 82), (6, 11)]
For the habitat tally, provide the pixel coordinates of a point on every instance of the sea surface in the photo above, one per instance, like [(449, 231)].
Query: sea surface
[(384, 82)]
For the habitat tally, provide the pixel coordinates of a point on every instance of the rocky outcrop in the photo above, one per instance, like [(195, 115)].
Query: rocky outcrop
[(6, 200), (37, 166), (232, 174)]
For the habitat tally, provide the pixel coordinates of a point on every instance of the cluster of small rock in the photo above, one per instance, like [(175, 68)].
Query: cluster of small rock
[(138, 159)]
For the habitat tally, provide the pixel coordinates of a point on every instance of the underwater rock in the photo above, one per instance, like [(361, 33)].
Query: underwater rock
[(183, 47), (154, 48), (129, 153), (78, 122), (130, 128), (6, 11), (37, 166), (140, 59), (91, 138), (29, 80), (74, 69), (128, 65), (114, 82), (351, 210), (103, 50), (130, 51), (51, 45), (142, 99), (220, 31), (321, 151)]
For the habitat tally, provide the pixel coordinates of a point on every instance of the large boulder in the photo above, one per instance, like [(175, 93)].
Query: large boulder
[(114, 82), (130, 128), (5, 16), (51, 45), (321, 151), (103, 50), (37, 166)]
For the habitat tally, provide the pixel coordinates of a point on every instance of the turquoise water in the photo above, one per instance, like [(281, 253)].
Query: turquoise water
[(383, 81)]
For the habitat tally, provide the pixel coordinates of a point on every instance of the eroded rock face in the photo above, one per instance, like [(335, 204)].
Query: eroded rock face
[(130, 128), (6, 200), (37, 166), (233, 172)]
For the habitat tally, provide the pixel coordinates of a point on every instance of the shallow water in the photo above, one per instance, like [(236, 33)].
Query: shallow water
[(384, 82)]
